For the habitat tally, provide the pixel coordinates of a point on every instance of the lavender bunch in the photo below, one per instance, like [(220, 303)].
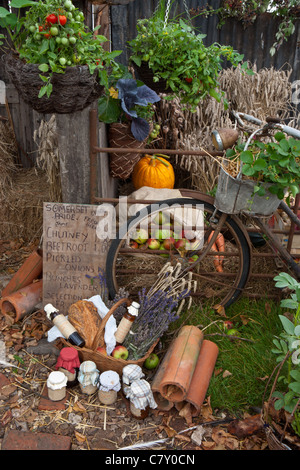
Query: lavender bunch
[(157, 311), (101, 278)]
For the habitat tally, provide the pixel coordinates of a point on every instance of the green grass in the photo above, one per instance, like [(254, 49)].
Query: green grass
[(250, 361)]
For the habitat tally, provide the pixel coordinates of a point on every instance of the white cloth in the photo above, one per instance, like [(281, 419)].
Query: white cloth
[(109, 380), (140, 394)]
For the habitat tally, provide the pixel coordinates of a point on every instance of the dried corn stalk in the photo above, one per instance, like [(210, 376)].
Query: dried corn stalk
[(48, 159), (267, 92)]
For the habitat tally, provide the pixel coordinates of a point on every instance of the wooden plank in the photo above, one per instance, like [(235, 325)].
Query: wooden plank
[(71, 250)]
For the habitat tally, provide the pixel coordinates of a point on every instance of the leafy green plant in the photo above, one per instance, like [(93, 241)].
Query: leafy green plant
[(276, 162), (53, 35), (129, 101), (176, 54), (246, 11), (287, 346)]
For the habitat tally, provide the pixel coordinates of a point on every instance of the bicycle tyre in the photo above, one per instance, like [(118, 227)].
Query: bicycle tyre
[(233, 229)]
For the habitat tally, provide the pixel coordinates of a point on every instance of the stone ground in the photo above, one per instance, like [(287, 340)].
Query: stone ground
[(29, 420)]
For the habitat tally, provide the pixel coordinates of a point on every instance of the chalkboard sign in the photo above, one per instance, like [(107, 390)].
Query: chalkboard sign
[(73, 253)]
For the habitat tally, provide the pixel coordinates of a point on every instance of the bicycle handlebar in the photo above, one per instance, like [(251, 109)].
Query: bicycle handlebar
[(275, 125)]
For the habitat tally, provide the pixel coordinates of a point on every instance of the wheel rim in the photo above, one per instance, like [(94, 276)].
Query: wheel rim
[(134, 269)]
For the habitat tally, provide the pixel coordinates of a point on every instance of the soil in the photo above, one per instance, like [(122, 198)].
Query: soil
[(24, 404)]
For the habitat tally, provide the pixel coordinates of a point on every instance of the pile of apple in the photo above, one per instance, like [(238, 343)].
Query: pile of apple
[(165, 236), (120, 352)]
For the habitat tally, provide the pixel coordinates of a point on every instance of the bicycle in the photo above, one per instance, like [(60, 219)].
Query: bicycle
[(221, 275)]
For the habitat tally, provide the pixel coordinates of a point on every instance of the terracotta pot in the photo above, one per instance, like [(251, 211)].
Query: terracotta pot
[(163, 403), (28, 272), (22, 301), (201, 377), (182, 363)]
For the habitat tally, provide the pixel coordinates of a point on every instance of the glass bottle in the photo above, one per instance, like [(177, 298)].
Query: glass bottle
[(64, 326), (126, 322)]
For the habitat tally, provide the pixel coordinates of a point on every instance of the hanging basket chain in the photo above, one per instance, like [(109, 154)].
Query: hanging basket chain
[(168, 12)]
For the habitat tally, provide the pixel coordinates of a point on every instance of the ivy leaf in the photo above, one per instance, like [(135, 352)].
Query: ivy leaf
[(246, 156)]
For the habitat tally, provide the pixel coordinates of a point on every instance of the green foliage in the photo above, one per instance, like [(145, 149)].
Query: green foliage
[(58, 42), (287, 347), (176, 53), (247, 12), (275, 162)]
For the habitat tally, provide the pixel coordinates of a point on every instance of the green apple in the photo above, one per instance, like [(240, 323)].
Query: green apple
[(152, 361), (233, 332), (140, 235)]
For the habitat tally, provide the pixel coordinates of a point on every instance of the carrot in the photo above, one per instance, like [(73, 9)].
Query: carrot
[(219, 245)]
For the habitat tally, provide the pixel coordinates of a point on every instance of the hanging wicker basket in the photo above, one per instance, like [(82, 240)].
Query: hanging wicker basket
[(122, 164), (111, 2), (72, 91), (103, 362), (146, 76)]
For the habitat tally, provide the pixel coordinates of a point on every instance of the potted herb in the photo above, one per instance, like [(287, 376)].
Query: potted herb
[(173, 56), (55, 62), (285, 393), (127, 108), (260, 175)]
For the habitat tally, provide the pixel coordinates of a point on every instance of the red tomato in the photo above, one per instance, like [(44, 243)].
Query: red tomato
[(62, 19), (51, 18), (47, 35), (41, 28), (188, 79)]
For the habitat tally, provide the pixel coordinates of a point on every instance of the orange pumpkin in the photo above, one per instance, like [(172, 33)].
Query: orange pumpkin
[(153, 171)]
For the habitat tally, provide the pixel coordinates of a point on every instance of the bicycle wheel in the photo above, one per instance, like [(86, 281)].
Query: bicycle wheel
[(133, 267)]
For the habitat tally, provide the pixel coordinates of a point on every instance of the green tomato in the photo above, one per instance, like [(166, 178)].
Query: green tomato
[(72, 40), (202, 55), (78, 18), (58, 40), (54, 31), (64, 41), (62, 61), (69, 62), (32, 29), (68, 4), (145, 58)]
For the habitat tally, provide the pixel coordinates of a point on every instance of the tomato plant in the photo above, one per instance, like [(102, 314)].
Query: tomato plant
[(53, 35), (176, 53)]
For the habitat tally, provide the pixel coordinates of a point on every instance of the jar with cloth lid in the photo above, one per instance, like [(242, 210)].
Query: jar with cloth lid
[(141, 398), (56, 384), (109, 385), (68, 362), (129, 374), (88, 377)]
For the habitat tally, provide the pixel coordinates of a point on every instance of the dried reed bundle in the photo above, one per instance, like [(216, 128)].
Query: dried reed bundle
[(48, 159), (21, 209), (267, 92), (8, 157)]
